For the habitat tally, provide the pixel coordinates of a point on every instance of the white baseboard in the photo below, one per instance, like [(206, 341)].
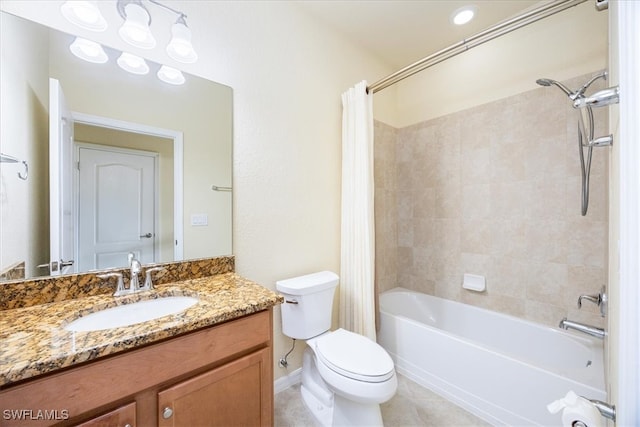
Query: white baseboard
[(287, 381)]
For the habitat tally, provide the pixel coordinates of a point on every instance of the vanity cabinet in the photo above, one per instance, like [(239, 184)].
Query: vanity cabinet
[(216, 376)]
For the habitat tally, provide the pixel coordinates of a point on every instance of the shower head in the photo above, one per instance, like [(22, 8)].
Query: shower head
[(549, 82)]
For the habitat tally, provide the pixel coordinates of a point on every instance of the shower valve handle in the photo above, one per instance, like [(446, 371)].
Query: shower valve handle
[(600, 300), (592, 298)]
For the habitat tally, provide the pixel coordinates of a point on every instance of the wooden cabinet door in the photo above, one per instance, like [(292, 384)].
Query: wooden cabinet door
[(239, 393), (121, 417)]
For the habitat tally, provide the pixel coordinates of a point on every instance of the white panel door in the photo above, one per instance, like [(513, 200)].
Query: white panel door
[(116, 207), (61, 220)]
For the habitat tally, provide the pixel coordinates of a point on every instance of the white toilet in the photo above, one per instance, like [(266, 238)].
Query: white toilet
[(345, 376)]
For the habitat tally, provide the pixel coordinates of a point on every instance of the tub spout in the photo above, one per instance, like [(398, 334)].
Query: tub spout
[(581, 327)]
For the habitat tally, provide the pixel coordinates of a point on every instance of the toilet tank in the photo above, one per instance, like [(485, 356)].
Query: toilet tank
[(308, 304)]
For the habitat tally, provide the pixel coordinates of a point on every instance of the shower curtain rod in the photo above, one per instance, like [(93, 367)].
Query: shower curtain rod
[(475, 40)]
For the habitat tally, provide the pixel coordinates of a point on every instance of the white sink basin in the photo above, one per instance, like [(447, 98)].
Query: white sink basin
[(130, 314)]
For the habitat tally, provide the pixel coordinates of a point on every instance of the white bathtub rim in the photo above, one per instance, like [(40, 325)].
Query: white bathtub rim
[(569, 334)]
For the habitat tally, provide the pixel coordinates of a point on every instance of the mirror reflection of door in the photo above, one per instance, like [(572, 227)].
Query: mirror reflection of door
[(116, 206), (108, 135)]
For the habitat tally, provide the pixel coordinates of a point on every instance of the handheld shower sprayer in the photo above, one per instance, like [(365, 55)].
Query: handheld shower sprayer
[(585, 127), (549, 82)]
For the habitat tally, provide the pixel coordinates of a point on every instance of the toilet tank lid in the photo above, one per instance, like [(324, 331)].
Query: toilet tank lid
[(308, 284)]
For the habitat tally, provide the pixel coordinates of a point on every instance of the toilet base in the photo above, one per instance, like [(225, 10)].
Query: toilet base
[(349, 413), (329, 409)]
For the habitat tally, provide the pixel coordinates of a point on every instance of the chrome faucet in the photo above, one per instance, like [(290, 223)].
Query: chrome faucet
[(135, 268), (581, 327)]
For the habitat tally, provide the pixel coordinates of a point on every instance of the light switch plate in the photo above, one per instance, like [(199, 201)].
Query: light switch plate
[(199, 219)]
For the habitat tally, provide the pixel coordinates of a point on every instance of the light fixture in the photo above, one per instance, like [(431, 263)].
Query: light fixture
[(133, 64), (88, 50), (463, 15), (135, 29), (171, 75), (84, 14), (180, 47)]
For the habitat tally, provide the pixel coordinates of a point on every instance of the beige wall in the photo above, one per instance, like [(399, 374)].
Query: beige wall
[(495, 190), (23, 126)]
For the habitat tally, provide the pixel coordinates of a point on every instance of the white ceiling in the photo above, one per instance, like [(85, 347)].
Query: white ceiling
[(400, 32)]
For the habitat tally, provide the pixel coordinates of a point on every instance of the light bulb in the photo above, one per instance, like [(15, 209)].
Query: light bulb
[(88, 50), (171, 75), (133, 64), (135, 29), (84, 14), (180, 47)]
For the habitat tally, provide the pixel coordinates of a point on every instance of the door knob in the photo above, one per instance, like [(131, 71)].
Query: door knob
[(146, 236)]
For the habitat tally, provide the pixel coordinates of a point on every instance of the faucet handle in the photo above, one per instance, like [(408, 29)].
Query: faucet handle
[(148, 283), (120, 289), (600, 300), (596, 299)]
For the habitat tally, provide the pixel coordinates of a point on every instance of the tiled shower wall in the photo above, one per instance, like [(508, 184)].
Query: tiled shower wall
[(494, 190)]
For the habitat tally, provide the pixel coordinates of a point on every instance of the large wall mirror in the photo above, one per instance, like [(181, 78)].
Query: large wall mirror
[(149, 163)]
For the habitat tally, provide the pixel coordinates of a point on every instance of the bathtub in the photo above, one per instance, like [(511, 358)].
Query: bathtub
[(503, 369)]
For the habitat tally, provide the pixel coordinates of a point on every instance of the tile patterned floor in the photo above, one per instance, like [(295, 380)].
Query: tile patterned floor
[(412, 405)]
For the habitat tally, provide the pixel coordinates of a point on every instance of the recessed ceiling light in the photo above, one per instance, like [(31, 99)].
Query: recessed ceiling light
[(463, 15)]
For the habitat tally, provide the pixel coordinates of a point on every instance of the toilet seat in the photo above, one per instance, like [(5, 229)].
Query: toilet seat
[(354, 356)]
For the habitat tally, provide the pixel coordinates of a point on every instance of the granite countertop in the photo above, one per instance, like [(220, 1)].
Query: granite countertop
[(33, 340)]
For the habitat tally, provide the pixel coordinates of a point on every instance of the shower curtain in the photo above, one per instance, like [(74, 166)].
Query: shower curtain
[(357, 245)]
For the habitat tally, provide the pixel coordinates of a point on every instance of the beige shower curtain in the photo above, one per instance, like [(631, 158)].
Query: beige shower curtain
[(357, 267)]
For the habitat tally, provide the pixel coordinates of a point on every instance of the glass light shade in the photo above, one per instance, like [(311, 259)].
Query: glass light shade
[(463, 15), (133, 64), (180, 47), (171, 75), (135, 29), (84, 14), (88, 50)]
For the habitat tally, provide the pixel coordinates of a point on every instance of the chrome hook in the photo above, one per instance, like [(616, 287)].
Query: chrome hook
[(25, 175)]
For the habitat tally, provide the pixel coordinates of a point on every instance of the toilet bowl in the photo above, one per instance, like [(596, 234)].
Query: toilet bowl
[(345, 376)]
